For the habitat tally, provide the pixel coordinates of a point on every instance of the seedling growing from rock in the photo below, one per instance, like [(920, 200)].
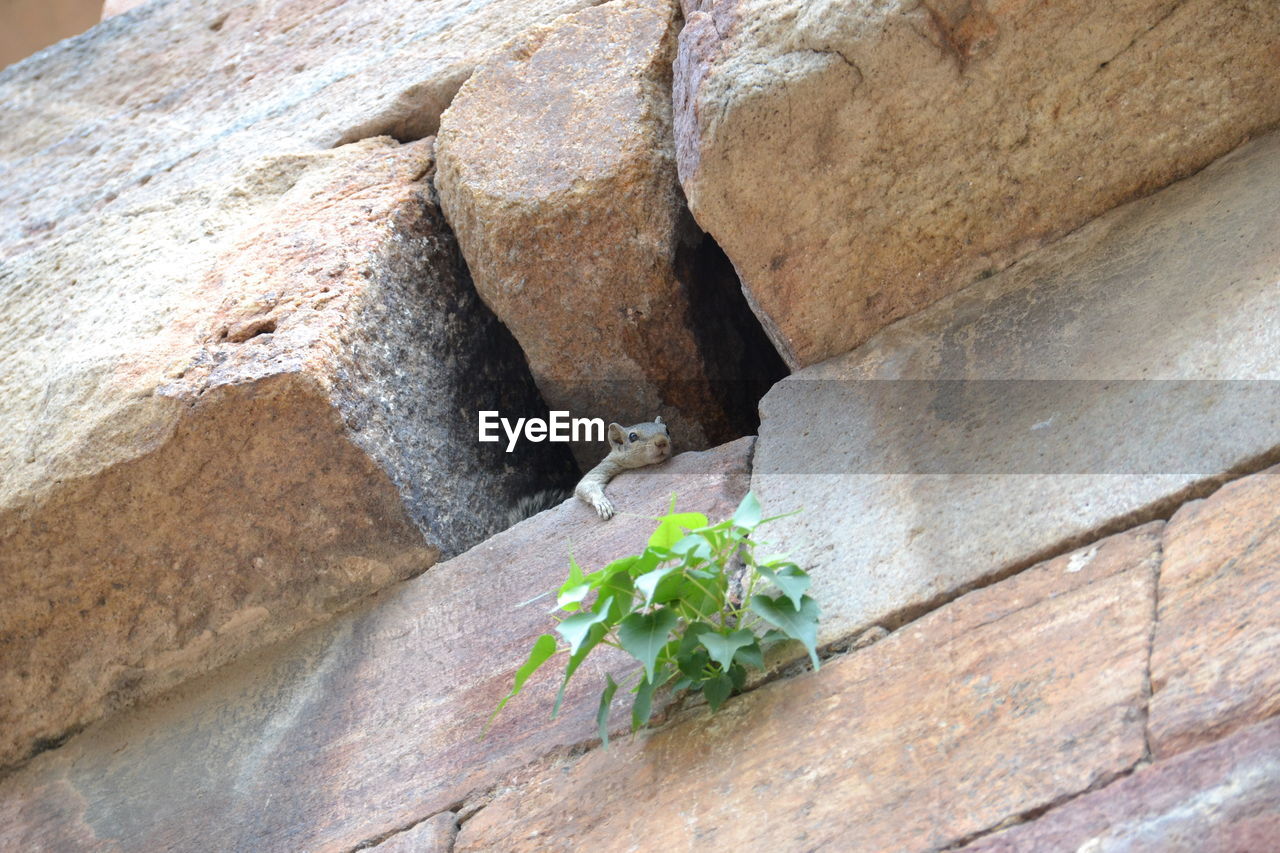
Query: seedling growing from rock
[(687, 608)]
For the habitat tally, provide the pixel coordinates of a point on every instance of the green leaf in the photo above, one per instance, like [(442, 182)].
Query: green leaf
[(543, 648), (722, 647), (750, 656), (594, 635), (575, 628), (798, 623), (738, 676), (717, 690), (693, 547), (747, 516), (574, 589), (602, 714), (643, 635), (642, 707), (671, 528), (648, 583), (619, 588), (790, 579)]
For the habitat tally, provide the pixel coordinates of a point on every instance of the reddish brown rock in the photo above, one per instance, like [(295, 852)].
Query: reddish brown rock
[(269, 456), (1000, 702), (365, 725), (557, 172), (1217, 641), (857, 161), (1223, 798)]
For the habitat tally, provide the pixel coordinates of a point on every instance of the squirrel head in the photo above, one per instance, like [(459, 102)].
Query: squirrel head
[(640, 444)]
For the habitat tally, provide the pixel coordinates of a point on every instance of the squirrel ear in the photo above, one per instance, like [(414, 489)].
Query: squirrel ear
[(658, 419), (616, 436)]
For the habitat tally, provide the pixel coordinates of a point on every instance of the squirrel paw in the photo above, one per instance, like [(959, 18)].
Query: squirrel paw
[(603, 506)]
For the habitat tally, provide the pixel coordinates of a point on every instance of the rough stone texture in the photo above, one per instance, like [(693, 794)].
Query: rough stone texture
[(240, 364), (557, 171), (1223, 798), (367, 724), (298, 433), (111, 8), (940, 453), (1217, 642), (1001, 702), (857, 161), (433, 835), (179, 93)]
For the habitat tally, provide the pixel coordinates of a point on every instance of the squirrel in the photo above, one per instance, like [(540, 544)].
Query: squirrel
[(629, 447)]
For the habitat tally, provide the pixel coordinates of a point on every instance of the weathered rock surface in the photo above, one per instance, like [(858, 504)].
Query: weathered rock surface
[(1213, 665), (296, 433), (434, 835), (857, 161), (996, 704), (1053, 402), (1224, 797), (367, 724), (557, 171), (182, 92)]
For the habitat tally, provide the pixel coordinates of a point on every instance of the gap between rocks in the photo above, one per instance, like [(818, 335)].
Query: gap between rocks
[(375, 840)]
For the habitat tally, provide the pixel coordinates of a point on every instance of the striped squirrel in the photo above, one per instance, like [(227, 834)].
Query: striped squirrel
[(629, 447)]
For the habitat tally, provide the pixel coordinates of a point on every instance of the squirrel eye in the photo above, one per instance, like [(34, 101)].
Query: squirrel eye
[(633, 437)]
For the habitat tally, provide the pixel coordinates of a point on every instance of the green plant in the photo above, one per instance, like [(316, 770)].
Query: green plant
[(671, 608)]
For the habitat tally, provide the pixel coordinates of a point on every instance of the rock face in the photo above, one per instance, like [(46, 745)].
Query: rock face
[(434, 835), (297, 434), (997, 704), (1222, 797), (1213, 666), (370, 723), (557, 172), (242, 365), (1042, 407), (857, 161)]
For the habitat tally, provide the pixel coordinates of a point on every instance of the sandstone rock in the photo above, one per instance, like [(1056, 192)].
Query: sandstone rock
[(111, 8), (367, 724), (1224, 797), (1041, 408), (1213, 662), (241, 364), (179, 93), (857, 161), (433, 835), (296, 432), (557, 172), (996, 704)]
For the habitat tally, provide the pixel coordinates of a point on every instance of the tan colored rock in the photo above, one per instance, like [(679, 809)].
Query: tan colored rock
[(858, 161), (177, 95), (1217, 641), (1102, 380), (1223, 797), (369, 723), (433, 835), (557, 171), (241, 358), (1001, 702), (111, 8), (270, 454)]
